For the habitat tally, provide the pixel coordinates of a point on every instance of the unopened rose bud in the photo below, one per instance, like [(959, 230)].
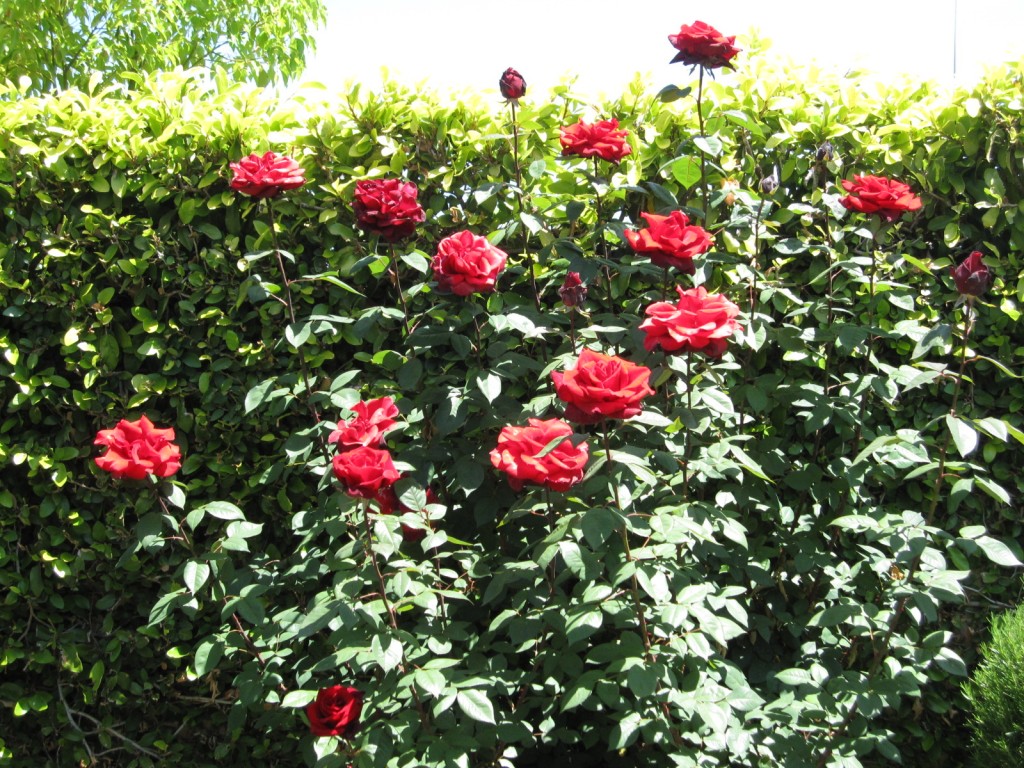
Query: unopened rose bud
[(573, 290), (972, 277), (770, 183), (825, 152), (512, 84)]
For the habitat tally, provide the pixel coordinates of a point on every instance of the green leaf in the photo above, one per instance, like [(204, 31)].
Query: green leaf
[(998, 552), (711, 145), (223, 510), (964, 436), (476, 705), (993, 489), (489, 386), (195, 575), (295, 699)]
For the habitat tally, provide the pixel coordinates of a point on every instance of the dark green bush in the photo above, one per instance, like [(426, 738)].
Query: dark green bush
[(995, 695)]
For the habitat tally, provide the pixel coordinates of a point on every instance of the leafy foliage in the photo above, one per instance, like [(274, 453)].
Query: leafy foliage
[(776, 563), (60, 44)]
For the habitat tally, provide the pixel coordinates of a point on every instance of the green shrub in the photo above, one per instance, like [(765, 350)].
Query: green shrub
[(772, 564), (995, 695)]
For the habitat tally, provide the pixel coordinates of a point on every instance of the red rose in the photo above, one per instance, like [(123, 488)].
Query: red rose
[(573, 290), (336, 711), (372, 419), (364, 471), (602, 139), (700, 322), (512, 84), (136, 449), (518, 456), (466, 263), (671, 241), (266, 175), (972, 277), (388, 207), (602, 387), (388, 502), (888, 198), (704, 46)]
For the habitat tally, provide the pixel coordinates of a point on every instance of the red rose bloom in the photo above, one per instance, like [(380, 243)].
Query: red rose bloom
[(602, 387), (364, 471), (388, 207), (671, 240), (512, 84), (517, 455), (573, 290), (700, 322), (704, 46), (372, 420), (466, 263), (266, 175), (602, 139), (136, 449), (972, 277), (336, 711), (887, 198)]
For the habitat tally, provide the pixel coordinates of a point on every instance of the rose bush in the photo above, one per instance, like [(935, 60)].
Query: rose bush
[(266, 175), (137, 449), (336, 711), (466, 263), (702, 45), (602, 387), (886, 198), (698, 322), (388, 207), (365, 471), (671, 241), (602, 139), (523, 454), (573, 290)]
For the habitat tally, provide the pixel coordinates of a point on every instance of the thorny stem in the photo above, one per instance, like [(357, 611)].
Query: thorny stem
[(398, 286), (703, 158), (303, 368), (248, 640), (757, 254), (551, 525), (73, 713), (519, 198), (601, 247), (572, 328), (181, 530)]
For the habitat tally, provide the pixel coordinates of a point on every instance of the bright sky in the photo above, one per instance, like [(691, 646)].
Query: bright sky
[(467, 44)]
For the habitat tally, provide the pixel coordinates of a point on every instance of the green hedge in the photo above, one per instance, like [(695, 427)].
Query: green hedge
[(134, 280)]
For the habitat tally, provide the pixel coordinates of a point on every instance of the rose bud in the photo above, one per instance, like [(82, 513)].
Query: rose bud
[(573, 290), (972, 277), (512, 84)]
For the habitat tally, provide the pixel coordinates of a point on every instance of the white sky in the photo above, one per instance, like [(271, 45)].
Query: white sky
[(467, 44)]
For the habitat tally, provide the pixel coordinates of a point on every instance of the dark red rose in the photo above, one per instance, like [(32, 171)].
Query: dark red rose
[(137, 449), (512, 84), (972, 277), (602, 387), (266, 175), (336, 711), (388, 207), (364, 471), (704, 46), (573, 290), (373, 418), (466, 263), (602, 139), (699, 322), (519, 449), (389, 503), (671, 240), (887, 198)]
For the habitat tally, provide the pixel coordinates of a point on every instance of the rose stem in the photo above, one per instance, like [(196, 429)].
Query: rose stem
[(393, 620), (664, 285), (572, 328), (303, 368), (551, 525), (700, 123), (398, 285), (519, 198), (687, 436), (163, 505), (601, 246)]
